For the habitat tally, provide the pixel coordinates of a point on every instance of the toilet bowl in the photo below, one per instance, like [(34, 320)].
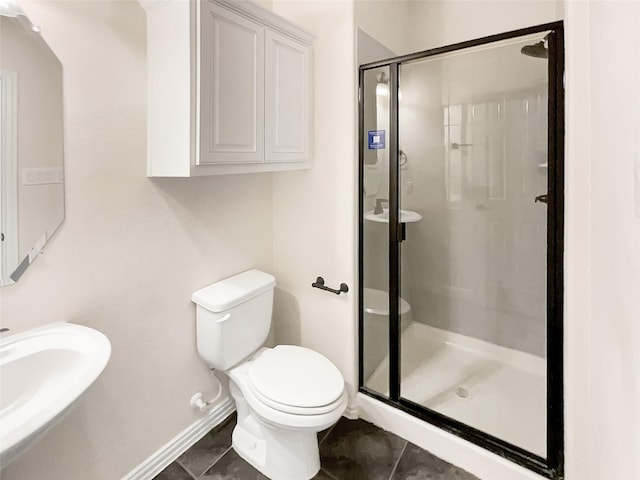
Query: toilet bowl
[(284, 395), (277, 430)]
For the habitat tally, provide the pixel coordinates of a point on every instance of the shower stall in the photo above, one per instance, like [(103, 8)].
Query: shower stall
[(461, 240)]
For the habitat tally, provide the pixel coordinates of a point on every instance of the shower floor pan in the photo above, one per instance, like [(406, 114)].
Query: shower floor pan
[(494, 389)]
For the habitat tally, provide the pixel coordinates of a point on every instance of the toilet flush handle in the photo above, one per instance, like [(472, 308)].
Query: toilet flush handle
[(224, 319)]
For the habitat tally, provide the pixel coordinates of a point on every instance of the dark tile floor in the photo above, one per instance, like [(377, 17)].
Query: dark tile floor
[(350, 450)]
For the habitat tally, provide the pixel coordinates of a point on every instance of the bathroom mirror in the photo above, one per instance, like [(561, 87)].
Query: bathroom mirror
[(31, 143)]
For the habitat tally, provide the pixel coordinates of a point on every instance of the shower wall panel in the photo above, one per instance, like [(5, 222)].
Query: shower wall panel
[(476, 263)]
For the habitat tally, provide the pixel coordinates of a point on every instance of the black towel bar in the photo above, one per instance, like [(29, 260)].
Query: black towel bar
[(319, 283)]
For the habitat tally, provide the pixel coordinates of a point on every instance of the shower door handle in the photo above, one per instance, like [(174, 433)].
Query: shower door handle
[(402, 232), (541, 198)]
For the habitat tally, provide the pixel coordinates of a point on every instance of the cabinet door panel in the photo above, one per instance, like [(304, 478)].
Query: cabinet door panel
[(288, 99), (232, 88)]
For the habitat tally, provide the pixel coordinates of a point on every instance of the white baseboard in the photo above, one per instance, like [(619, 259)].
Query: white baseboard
[(179, 444), (351, 412)]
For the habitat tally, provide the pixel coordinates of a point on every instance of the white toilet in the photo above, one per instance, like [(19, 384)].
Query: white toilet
[(284, 395)]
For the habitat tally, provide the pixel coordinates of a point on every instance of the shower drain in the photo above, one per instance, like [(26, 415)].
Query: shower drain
[(462, 392)]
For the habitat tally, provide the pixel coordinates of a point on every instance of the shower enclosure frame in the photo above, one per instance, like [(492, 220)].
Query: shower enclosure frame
[(553, 465)]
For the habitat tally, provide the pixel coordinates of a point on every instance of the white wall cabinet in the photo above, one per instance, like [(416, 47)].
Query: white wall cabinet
[(287, 104), (230, 89)]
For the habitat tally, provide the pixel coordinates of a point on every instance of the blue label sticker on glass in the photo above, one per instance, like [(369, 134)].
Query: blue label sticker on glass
[(376, 139)]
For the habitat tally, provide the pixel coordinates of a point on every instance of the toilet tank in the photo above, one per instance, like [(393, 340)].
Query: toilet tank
[(233, 317)]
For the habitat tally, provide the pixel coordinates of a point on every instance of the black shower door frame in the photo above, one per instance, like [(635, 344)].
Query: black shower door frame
[(553, 465)]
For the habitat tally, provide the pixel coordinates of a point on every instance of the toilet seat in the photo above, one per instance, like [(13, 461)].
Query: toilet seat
[(292, 409), (282, 414), (295, 380)]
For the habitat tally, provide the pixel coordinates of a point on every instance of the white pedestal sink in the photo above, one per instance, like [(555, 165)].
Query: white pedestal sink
[(43, 371)]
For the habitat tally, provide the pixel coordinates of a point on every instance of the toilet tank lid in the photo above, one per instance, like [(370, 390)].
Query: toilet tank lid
[(232, 291)]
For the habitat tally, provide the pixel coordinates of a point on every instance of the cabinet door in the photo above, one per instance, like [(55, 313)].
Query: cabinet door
[(288, 99), (231, 89)]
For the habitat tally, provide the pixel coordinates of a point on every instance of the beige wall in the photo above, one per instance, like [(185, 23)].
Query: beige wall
[(129, 254), (611, 246), (386, 22), (437, 23), (315, 211), (407, 26)]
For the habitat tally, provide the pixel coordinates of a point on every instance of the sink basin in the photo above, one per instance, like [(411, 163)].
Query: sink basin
[(43, 371), (406, 216)]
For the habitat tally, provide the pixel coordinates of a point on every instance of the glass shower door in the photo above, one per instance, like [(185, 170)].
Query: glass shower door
[(374, 230), (461, 240), (473, 197)]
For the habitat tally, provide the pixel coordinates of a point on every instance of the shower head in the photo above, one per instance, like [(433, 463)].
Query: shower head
[(382, 78), (537, 50), (382, 87)]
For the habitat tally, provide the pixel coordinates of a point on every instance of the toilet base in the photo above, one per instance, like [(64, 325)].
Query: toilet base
[(285, 456), (278, 453)]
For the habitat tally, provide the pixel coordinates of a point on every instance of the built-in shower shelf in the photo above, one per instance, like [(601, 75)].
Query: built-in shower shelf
[(406, 216), (376, 302)]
